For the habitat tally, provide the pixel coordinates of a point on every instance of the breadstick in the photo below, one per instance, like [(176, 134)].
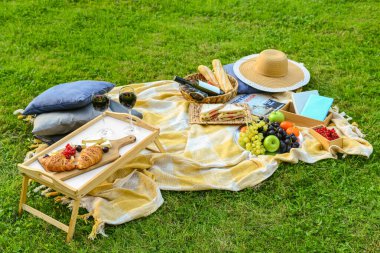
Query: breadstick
[(207, 73), (221, 76)]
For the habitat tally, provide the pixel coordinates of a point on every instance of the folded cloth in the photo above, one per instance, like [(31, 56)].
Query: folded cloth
[(243, 88), (197, 158)]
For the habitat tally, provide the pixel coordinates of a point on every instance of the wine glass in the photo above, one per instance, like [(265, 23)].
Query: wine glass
[(101, 102), (127, 98)]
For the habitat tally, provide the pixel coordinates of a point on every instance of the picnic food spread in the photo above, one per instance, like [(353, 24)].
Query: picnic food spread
[(230, 112), (221, 76), (89, 156), (208, 86), (269, 135), (221, 112), (329, 134), (209, 75), (211, 90), (66, 161), (80, 157), (57, 163), (205, 153)]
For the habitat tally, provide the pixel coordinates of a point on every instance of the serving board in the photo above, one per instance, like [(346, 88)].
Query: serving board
[(112, 155), (195, 110)]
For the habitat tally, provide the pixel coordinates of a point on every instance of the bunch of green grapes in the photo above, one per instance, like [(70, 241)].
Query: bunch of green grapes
[(252, 138)]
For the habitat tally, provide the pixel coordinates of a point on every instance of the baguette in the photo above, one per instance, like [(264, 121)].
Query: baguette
[(209, 75), (221, 76)]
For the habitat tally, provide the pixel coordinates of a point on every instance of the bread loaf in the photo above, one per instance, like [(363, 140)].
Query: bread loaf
[(207, 73), (221, 76)]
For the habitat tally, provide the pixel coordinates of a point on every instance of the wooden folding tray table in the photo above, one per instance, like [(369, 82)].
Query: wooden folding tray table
[(78, 186)]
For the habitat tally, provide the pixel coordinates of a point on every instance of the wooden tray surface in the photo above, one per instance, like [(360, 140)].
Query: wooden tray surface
[(108, 157), (81, 184), (194, 116)]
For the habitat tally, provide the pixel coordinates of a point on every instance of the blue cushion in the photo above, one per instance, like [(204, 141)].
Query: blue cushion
[(52, 123), (62, 122), (67, 96), (243, 88)]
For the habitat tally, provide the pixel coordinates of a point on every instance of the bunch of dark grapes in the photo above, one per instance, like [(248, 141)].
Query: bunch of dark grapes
[(287, 142)]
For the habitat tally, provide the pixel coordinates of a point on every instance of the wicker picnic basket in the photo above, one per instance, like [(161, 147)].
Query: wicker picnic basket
[(211, 99)]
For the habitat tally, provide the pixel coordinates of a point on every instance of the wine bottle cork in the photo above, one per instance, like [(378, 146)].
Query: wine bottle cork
[(209, 75), (221, 76)]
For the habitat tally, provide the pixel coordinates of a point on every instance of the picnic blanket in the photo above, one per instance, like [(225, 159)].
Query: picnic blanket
[(197, 158)]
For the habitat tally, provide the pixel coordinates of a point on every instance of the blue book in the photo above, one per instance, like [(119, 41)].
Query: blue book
[(299, 99), (317, 107)]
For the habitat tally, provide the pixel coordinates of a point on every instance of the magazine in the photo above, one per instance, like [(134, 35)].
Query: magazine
[(260, 105)]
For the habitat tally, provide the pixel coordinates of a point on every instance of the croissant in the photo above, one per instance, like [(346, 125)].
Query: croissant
[(57, 163), (89, 156)]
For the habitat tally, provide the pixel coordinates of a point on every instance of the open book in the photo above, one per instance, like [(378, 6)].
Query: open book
[(259, 104)]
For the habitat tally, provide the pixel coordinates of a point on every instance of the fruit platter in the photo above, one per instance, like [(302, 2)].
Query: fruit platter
[(269, 135)]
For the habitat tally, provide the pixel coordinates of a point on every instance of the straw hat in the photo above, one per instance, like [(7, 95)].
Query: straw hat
[(271, 71)]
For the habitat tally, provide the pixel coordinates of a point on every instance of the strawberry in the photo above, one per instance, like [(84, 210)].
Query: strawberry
[(68, 151)]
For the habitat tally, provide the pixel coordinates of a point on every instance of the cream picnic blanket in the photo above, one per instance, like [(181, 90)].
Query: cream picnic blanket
[(197, 158)]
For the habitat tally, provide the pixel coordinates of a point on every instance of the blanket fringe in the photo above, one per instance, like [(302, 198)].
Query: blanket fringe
[(20, 116), (46, 191), (59, 199), (39, 188), (51, 194), (64, 200), (18, 112), (98, 228), (344, 115), (36, 148), (85, 216), (354, 126), (335, 108)]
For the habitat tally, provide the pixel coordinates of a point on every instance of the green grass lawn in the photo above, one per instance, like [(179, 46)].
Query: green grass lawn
[(329, 206)]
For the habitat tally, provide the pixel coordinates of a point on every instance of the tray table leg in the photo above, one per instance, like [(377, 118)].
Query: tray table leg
[(159, 145), (73, 220), (24, 190)]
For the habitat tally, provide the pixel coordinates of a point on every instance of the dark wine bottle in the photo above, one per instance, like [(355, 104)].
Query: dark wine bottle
[(200, 85), (193, 92)]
